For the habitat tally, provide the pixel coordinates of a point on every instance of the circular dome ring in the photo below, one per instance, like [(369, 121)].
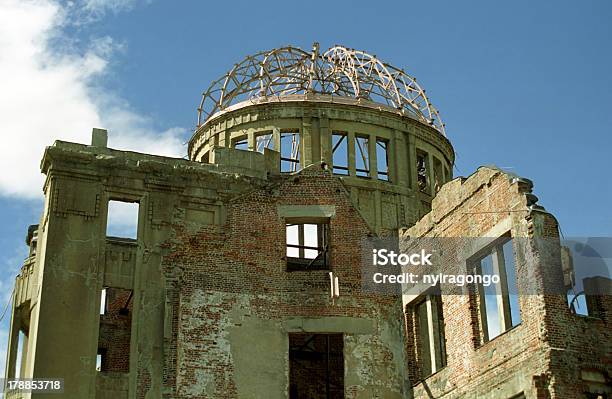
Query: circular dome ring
[(339, 71)]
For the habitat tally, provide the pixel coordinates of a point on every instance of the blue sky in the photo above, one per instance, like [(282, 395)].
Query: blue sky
[(525, 85)]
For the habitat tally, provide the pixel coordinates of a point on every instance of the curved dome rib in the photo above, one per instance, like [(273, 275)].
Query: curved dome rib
[(339, 71)]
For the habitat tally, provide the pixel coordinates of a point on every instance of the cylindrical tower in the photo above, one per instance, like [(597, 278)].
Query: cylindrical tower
[(369, 122)]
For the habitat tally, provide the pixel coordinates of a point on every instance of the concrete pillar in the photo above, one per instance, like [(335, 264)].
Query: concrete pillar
[(351, 153), (326, 140), (149, 307), (412, 170), (227, 142), (58, 338), (399, 166), (251, 140), (315, 132), (372, 157), (306, 142), (430, 174), (276, 139)]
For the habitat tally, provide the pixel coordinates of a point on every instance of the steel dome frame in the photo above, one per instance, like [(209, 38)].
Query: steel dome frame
[(339, 71)]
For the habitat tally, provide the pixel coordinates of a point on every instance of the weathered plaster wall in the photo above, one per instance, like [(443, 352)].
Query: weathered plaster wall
[(212, 303), (236, 303)]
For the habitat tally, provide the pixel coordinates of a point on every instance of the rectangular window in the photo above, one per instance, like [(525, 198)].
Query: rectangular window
[(122, 221), (340, 153), (362, 158), (307, 246), (263, 141), (430, 341), (115, 331), (240, 143), (382, 159), (422, 172), (290, 150), (316, 366), (499, 302)]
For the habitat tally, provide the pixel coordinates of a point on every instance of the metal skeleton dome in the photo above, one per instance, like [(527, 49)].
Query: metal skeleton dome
[(339, 71)]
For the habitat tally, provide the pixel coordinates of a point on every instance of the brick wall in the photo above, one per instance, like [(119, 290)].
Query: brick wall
[(543, 355), (238, 271)]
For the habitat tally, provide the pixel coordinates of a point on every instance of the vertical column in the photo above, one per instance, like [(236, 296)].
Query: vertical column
[(149, 307), (412, 170), (351, 153), (251, 139), (57, 354), (326, 140), (227, 139), (315, 133), (276, 139), (372, 156), (399, 166), (306, 142)]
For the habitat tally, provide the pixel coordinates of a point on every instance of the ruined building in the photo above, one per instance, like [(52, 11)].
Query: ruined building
[(223, 288)]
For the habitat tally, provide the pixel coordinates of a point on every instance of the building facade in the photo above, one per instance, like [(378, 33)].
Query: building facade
[(242, 277)]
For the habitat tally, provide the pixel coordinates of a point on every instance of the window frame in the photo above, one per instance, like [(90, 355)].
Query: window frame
[(239, 141), (502, 294), (344, 138), (387, 173), (364, 153), (435, 333), (295, 164), (423, 173), (301, 263), (264, 135)]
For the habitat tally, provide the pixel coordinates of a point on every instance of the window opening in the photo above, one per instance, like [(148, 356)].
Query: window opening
[(122, 219), (307, 246), (382, 159), (340, 153), (362, 158), (290, 151)]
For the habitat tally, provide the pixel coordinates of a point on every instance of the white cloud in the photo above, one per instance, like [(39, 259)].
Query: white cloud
[(103, 6), (50, 89), (88, 11), (50, 93), (122, 219)]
